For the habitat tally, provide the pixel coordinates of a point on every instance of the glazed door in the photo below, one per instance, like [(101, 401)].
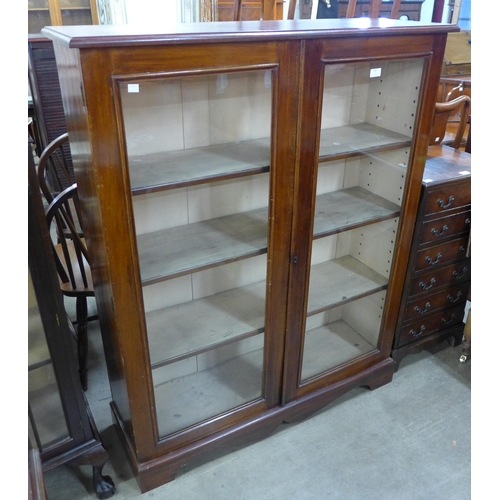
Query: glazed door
[(58, 422), (366, 116), (47, 420), (211, 186)]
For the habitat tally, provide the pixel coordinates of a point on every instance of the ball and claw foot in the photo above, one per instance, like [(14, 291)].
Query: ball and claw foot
[(104, 486)]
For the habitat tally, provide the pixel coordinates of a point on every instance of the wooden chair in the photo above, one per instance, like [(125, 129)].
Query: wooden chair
[(442, 113), (237, 10), (374, 9), (55, 172), (351, 9), (63, 215), (268, 10)]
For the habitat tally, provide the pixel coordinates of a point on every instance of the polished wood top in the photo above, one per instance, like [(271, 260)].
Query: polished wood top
[(126, 35), (445, 163)]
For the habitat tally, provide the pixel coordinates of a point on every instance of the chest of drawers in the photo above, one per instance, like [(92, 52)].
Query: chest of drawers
[(438, 276)]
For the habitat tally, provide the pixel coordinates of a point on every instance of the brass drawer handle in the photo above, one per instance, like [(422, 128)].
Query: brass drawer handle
[(442, 204), (433, 262), (437, 233), (415, 334), (459, 275), (419, 310), (423, 286), (456, 299), (449, 321)]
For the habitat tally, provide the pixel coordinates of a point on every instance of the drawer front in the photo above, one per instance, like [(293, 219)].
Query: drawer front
[(429, 304), (439, 255), (430, 324), (438, 229), (447, 276), (448, 198)]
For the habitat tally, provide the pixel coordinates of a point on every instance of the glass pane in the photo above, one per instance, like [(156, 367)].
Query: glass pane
[(367, 125), (37, 20), (199, 159), (76, 17), (341, 334), (68, 4), (369, 106), (48, 420), (38, 4)]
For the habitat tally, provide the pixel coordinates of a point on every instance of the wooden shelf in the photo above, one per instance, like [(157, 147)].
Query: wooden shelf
[(331, 345), (236, 314), (355, 280), (218, 389), (350, 208), (173, 169), (182, 250), (234, 382), (214, 321), (354, 140)]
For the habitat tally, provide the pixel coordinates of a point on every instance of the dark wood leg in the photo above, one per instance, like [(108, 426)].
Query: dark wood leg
[(466, 342), (81, 318), (103, 485), (97, 456)]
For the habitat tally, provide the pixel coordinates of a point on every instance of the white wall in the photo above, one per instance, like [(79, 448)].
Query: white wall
[(151, 11)]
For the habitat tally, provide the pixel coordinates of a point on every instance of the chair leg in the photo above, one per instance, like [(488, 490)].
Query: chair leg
[(81, 318)]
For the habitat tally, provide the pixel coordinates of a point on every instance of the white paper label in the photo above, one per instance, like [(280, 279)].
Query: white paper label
[(374, 72), (133, 88), (466, 312)]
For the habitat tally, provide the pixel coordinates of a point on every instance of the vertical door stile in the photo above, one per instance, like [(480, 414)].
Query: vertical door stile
[(303, 211), (116, 232), (285, 159)]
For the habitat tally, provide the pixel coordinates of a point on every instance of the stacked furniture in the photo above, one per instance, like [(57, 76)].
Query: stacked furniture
[(439, 273), (409, 8), (249, 192), (61, 12), (48, 111)]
